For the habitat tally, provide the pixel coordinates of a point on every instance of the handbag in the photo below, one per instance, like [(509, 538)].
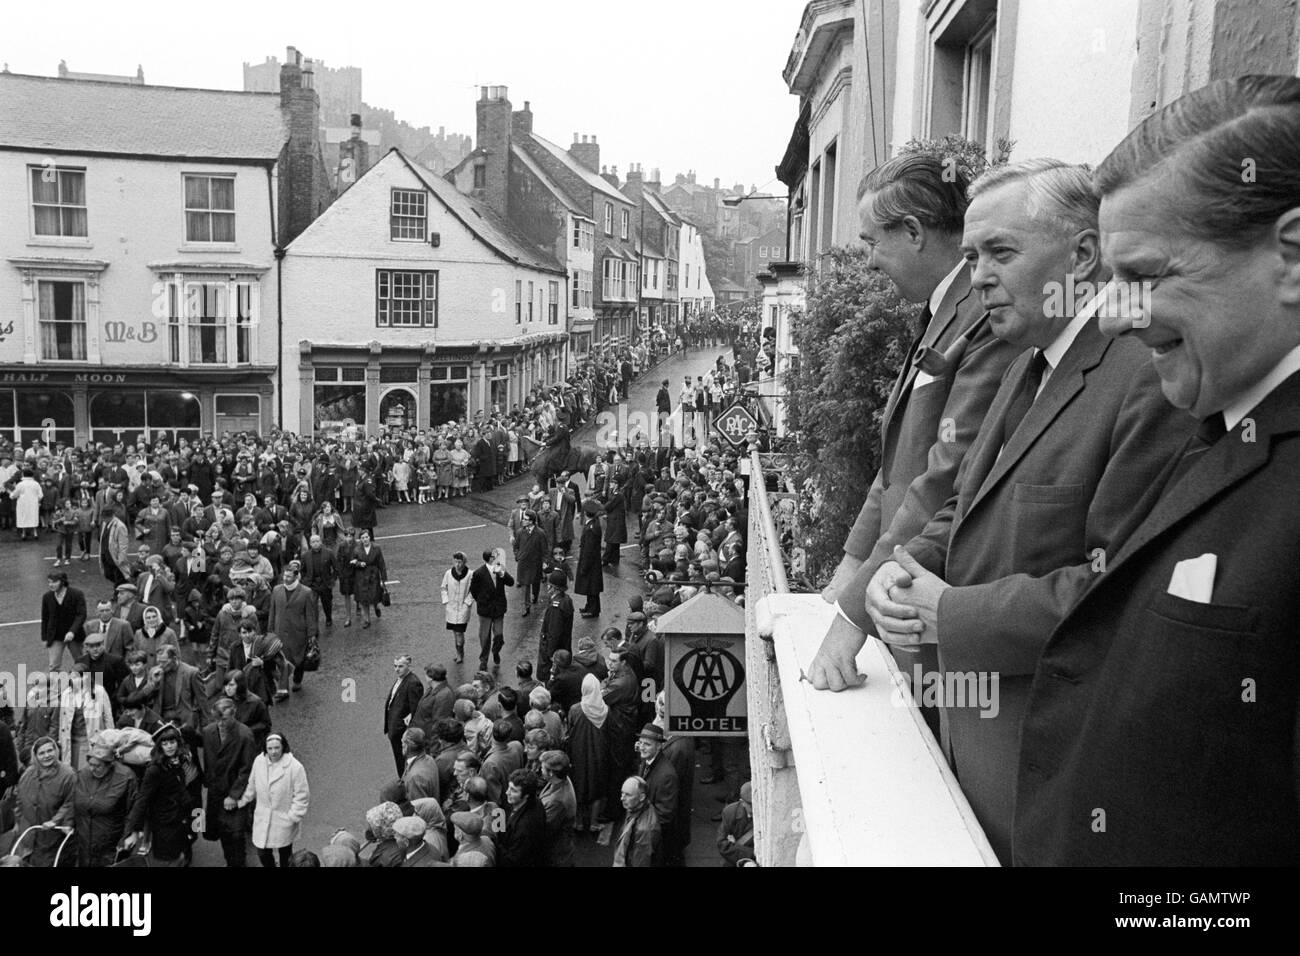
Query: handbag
[(312, 661), (385, 598)]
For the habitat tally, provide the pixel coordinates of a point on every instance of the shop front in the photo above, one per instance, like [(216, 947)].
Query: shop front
[(134, 405)]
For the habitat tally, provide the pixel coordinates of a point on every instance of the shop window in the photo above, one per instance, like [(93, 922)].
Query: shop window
[(28, 415), (335, 405)]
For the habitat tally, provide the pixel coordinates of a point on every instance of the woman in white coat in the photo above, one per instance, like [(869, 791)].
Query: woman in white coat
[(278, 784), (27, 497), (456, 601), (84, 710)]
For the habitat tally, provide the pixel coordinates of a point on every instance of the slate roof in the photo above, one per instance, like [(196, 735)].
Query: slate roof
[(594, 180), (521, 154), (82, 116), (482, 220)]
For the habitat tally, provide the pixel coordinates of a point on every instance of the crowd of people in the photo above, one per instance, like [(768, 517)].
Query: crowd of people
[(224, 562)]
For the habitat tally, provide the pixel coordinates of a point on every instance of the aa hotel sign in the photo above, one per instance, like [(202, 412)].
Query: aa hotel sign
[(704, 668)]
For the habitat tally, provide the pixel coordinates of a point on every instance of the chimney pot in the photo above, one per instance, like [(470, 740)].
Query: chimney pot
[(593, 137), (575, 137), (526, 105)]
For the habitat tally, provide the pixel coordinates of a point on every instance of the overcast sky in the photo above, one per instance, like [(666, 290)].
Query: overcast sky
[(694, 85)]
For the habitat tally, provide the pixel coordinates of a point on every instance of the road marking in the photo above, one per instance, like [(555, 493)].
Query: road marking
[(416, 534), (17, 623)]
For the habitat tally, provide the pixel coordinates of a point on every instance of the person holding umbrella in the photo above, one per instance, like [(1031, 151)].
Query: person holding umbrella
[(590, 579)]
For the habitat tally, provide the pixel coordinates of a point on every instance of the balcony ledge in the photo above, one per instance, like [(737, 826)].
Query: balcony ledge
[(874, 787)]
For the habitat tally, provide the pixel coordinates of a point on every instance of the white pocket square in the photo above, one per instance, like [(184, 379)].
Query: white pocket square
[(922, 379), (1193, 578)]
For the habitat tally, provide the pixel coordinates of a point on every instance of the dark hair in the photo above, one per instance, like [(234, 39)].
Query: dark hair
[(60, 576), (435, 672), (557, 762), (922, 185), (501, 730), (1201, 142), (284, 741), (526, 781), (561, 658), (304, 858), (458, 556), (509, 698), (524, 668), (449, 730), (487, 554)]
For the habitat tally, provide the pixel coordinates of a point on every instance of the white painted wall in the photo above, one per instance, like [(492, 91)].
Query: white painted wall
[(135, 216), (329, 279), (1072, 80)]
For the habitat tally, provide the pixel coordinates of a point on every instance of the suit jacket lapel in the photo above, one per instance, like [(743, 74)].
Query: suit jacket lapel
[(949, 306), (1066, 381), (1230, 461)]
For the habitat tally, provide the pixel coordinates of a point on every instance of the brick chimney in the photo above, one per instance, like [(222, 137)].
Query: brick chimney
[(586, 153), (303, 190), (610, 175), (354, 156), (492, 135), (634, 174), (521, 121)]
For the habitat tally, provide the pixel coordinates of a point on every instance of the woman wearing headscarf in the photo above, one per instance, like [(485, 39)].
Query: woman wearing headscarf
[(278, 785), (429, 810), (169, 794), (588, 749), (153, 634), (371, 571), (250, 709), (102, 798), (84, 710), (379, 831), (44, 799)]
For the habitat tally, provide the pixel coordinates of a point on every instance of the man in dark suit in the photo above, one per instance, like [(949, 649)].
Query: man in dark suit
[(663, 407), (1045, 495), (661, 781), (319, 573), (112, 669), (566, 498), (1161, 724), (118, 636), (63, 617), (228, 754), (485, 457), (911, 213), (182, 698), (487, 586), (399, 706)]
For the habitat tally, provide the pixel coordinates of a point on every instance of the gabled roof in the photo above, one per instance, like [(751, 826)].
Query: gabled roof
[(483, 221), (84, 116), (595, 181), (656, 203), (534, 167)]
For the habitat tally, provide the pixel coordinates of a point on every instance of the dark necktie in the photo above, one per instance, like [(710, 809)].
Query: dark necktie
[(1025, 395), (923, 323), (1207, 433)]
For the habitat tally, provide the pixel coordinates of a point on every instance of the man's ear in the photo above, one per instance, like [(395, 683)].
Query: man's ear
[(1286, 235)]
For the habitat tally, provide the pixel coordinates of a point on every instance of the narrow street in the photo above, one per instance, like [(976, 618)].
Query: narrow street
[(334, 725)]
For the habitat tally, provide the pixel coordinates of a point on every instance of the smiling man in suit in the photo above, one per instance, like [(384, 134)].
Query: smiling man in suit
[(1046, 494), (912, 210), (1161, 727)]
